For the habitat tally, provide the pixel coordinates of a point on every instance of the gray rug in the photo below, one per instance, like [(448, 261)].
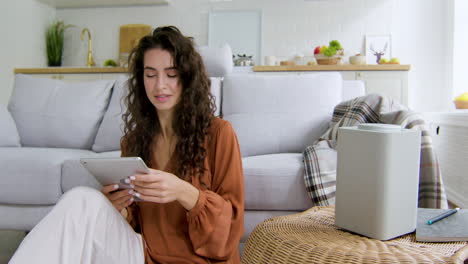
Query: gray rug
[(9, 242)]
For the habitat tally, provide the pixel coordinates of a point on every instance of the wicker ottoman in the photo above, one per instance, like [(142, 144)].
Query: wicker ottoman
[(312, 237)]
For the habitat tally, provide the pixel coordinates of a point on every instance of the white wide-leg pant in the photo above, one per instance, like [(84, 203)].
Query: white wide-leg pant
[(83, 227)]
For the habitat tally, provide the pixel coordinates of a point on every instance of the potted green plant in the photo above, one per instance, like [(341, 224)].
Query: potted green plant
[(54, 42)]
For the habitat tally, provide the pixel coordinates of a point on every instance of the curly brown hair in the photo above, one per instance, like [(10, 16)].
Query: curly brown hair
[(192, 114)]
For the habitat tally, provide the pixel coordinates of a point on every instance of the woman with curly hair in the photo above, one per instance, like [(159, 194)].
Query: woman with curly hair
[(190, 207)]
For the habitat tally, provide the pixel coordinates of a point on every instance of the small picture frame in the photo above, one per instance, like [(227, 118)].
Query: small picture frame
[(378, 47)]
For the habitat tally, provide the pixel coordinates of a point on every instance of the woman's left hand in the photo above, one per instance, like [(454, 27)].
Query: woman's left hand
[(163, 187)]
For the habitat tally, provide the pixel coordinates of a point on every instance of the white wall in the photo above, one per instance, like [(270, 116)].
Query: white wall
[(22, 27), (420, 32), (460, 48), (418, 29)]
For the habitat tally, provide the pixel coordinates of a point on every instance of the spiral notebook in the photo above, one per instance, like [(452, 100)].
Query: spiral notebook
[(450, 229)]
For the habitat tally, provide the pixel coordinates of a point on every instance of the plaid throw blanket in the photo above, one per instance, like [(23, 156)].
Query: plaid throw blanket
[(320, 158)]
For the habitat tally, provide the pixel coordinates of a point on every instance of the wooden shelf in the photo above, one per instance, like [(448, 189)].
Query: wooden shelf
[(101, 3), (51, 70), (342, 67)]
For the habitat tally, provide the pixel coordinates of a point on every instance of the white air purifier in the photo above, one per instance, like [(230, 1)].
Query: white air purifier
[(377, 180)]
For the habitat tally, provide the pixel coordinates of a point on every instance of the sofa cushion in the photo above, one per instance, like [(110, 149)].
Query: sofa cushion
[(279, 113), (112, 126), (111, 129), (33, 175), (53, 113), (23, 217), (353, 89), (74, 174), (275, 182), (8, 133), (218, 61)]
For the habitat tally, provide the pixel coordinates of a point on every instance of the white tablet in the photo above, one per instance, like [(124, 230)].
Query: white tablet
[(114, 170)]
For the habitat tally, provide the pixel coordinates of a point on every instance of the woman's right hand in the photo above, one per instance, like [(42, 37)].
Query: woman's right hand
[(120, 199)]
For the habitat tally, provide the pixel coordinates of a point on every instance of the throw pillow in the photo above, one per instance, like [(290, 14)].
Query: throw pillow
[(8, 133), (53, 113), (111, 129), (218, 61)]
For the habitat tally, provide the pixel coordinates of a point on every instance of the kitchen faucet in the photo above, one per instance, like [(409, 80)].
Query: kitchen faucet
[(90, 61)]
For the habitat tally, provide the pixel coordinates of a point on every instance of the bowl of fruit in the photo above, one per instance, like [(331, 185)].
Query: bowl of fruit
[(461, 102), (329, 55)]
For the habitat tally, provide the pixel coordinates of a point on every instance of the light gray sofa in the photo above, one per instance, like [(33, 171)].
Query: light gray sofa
[(275, 118), (51, 124)]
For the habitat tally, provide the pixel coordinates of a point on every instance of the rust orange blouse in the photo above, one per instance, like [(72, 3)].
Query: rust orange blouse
[(210, 232)]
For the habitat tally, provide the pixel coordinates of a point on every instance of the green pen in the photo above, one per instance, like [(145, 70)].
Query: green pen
[(442, 216)]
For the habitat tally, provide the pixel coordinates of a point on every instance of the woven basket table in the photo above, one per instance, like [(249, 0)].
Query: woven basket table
[(312, 237)]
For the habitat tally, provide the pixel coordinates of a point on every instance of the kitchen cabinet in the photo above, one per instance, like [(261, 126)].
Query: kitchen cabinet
[(102, 3), (387, 80), (70, 74), (70, 77), (78, 77), (393, 84), (449, 132)]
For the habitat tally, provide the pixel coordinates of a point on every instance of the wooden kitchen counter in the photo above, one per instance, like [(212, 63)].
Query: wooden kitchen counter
[(52, 70), (390, 79), (342, 67)]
